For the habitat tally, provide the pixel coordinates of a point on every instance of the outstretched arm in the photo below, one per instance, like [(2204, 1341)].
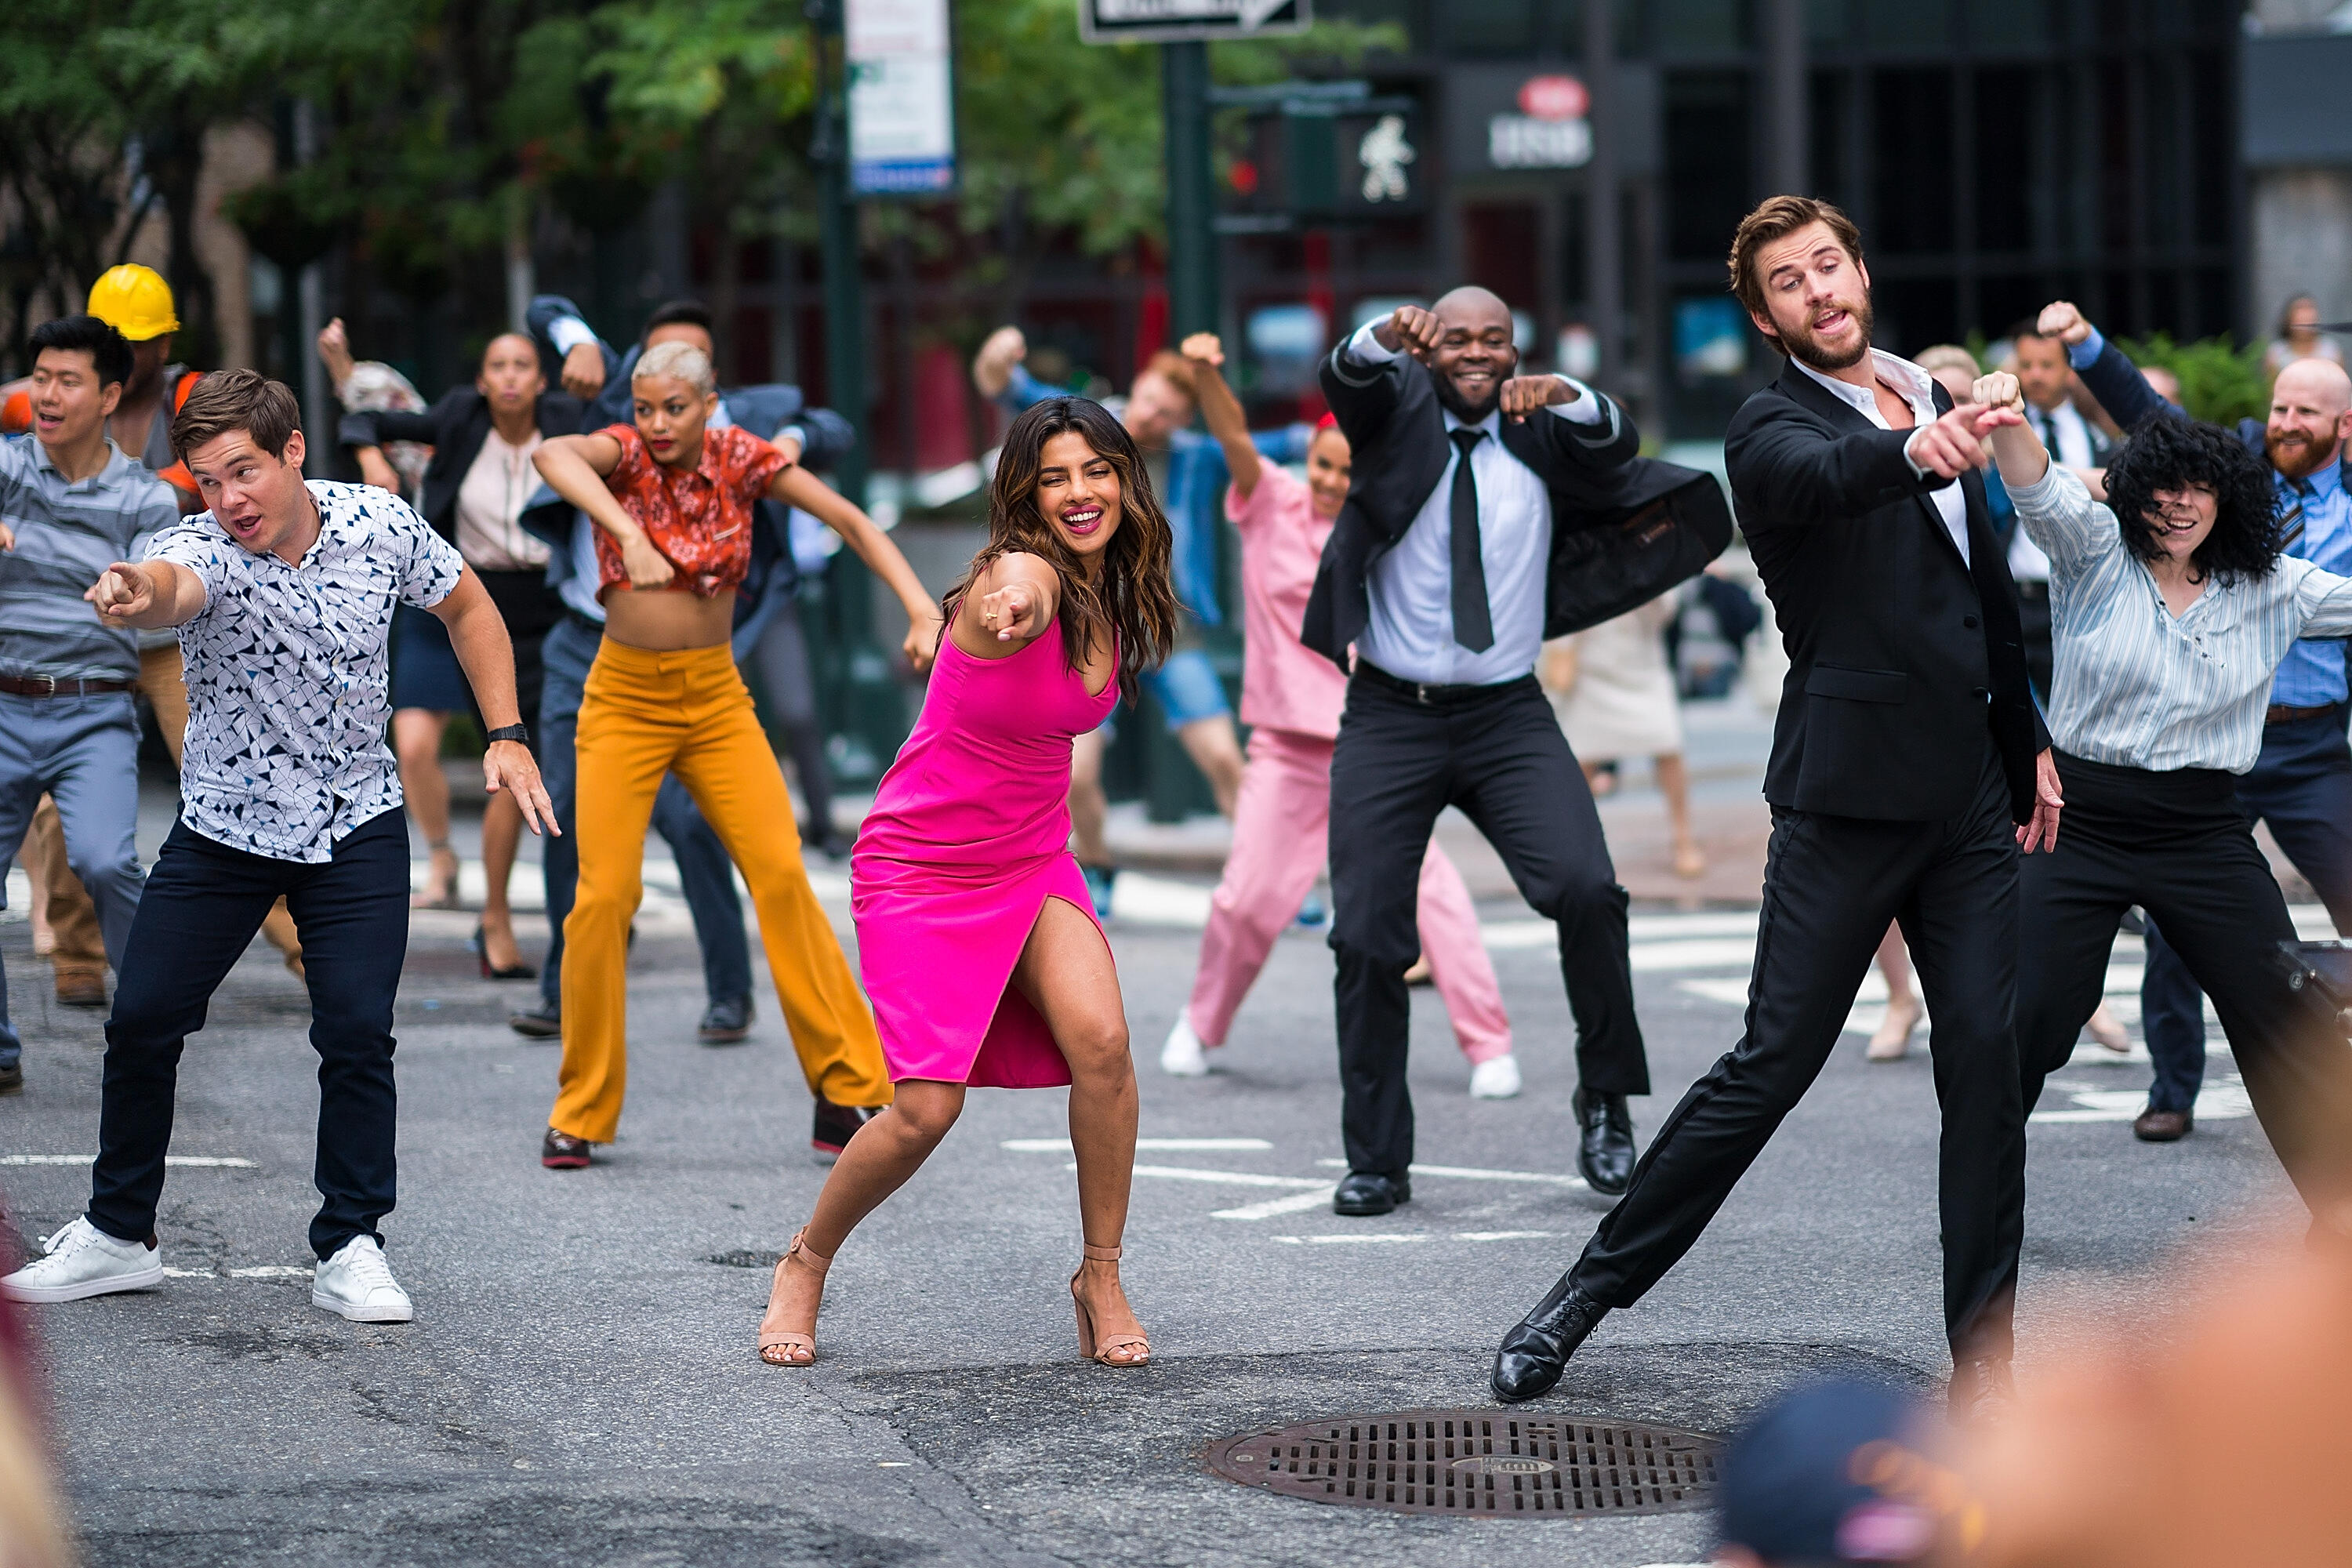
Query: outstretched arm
[(795, 486), (2108, 374), (1222, 411), (147, 596), (1013, 601)]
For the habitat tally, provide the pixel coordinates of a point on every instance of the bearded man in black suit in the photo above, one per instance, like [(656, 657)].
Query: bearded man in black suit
[(1903, 780)]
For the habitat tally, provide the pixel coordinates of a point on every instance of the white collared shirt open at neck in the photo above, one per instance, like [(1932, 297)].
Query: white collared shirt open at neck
[(1915, 387)]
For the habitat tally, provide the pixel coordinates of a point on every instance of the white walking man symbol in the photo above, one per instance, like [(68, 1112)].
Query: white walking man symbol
[(1384, 153)]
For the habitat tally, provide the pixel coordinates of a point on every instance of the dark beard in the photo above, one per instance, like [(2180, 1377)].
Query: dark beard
[(1453, 403), (1805, 349)]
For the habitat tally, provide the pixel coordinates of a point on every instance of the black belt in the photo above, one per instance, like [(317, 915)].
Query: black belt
[(2032, 590), (594, 625), (49, 685), (1431, 696)]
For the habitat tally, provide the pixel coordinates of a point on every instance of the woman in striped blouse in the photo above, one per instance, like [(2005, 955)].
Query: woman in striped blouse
[(2171, 607)]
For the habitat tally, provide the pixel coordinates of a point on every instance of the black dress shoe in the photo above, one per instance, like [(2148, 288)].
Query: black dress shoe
[(544, 1022), (1604, 1152), (1365, 1193), (725, 1022), (1982, 1392), (836, 1126), (1535, 1352), (11, 1079)]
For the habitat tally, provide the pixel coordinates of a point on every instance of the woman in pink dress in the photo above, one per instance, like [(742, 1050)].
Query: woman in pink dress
[(1291, 699), (977, 937)]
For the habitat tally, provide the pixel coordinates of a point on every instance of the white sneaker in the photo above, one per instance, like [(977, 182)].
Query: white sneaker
[(1183, 1056), (83, 1260), (357, 1283), (1497, 1078)]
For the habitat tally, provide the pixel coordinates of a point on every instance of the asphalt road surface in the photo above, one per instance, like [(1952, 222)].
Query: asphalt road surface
[(580, 1386)]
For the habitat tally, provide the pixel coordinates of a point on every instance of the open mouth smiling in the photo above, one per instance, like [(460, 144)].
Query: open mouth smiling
[(1082, 520)]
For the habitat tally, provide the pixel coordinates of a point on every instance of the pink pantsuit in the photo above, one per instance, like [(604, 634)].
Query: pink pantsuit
[(1291, 698)]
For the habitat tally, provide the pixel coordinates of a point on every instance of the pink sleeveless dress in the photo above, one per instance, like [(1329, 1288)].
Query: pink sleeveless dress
[(968, 838)]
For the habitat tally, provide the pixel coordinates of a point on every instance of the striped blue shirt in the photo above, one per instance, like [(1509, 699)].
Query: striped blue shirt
[(67, 534), (2137, 686), (2312, 674)]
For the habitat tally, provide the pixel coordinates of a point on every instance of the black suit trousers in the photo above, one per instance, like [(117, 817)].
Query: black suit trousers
[(2178, 845), (1497, 755), (1831, 885)]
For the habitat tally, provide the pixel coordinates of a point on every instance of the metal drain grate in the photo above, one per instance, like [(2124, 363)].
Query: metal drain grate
[(1489, 1463)]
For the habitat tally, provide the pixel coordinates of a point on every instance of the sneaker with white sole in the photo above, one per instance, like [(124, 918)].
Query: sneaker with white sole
[(357, 1283), (1183, 1056), (1497, 1078), (83, 1260)]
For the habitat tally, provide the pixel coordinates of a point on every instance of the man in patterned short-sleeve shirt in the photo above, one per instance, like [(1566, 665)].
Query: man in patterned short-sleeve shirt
[(283, 596)]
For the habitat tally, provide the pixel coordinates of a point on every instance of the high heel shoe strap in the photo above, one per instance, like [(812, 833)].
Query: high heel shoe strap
[(800, 1244), (1103, 1254)]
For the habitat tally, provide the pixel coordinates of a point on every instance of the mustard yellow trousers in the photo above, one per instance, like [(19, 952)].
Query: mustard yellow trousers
[(644, 714)]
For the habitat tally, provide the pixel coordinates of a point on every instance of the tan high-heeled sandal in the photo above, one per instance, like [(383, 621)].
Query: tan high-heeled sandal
[(788, 1342), (1087, 1347)]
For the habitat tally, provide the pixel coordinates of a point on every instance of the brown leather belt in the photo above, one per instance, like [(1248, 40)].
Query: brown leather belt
[(48, 685), (2280, 713)]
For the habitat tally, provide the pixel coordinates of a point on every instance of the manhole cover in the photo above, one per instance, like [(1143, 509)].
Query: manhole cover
[(1484, 1462)]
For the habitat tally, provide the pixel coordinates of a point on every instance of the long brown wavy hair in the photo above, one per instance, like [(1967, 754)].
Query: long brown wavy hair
[(1130, 599)]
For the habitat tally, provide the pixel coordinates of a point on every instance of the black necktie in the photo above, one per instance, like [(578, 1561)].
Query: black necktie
[(1473, 626)]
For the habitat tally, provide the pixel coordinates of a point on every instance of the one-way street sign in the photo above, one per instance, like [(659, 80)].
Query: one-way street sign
[(1166, 21)]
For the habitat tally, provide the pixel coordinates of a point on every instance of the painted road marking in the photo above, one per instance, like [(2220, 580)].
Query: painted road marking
[(1413, 1235), (1062, 1145), (201, 1162), (271, 1271), (1472, 1173), (2224, 1101), (1294, 1204), (1228, 1178)]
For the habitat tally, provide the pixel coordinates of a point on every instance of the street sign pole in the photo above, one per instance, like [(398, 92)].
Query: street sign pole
[(870, 715), (1191, 202)]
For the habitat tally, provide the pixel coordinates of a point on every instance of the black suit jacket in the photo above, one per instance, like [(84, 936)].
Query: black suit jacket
[(1900, 654), (455, 428), (1624, 529)]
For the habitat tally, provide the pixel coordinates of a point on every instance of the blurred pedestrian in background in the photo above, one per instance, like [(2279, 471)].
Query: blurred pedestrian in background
[(2299, 337), (986, 964), (671, 498), (480, 477), (1291, 699), (1615, 695)]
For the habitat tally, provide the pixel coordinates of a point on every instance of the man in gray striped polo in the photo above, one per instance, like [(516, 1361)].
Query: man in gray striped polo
[(71, 502)]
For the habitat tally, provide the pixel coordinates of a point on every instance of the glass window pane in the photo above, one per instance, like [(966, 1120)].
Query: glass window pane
[(1490, 28), (1909, 24)]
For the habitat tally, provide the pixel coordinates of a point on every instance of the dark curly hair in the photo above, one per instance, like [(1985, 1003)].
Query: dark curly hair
[(2166, 452), (1130, 602)]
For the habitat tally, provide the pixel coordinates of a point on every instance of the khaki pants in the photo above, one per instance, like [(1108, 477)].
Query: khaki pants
[(80, 954)]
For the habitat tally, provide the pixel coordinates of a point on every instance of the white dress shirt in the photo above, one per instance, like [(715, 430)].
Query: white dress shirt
[(1915, 387), (1411, 632)]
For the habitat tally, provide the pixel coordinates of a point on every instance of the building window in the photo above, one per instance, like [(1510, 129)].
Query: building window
[(1710, 127)]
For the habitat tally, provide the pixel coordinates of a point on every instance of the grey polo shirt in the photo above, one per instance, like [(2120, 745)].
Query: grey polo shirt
[(66, 535)]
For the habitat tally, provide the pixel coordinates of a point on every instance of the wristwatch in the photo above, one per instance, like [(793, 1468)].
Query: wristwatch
[(518, 733)]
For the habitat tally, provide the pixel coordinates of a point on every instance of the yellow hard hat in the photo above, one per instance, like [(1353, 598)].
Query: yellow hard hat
[(136, 301)]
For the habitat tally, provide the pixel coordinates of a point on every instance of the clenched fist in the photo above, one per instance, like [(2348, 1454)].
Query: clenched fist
[(1411, 329)]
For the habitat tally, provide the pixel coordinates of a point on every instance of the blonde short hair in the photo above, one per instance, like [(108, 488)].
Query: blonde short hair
[(1948, 356), (682, 361)]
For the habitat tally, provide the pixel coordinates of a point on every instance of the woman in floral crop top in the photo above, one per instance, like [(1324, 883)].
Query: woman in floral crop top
[(672, 499)]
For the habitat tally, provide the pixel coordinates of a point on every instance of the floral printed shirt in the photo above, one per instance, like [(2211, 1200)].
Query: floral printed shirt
[(286, 671), (699, 518)]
